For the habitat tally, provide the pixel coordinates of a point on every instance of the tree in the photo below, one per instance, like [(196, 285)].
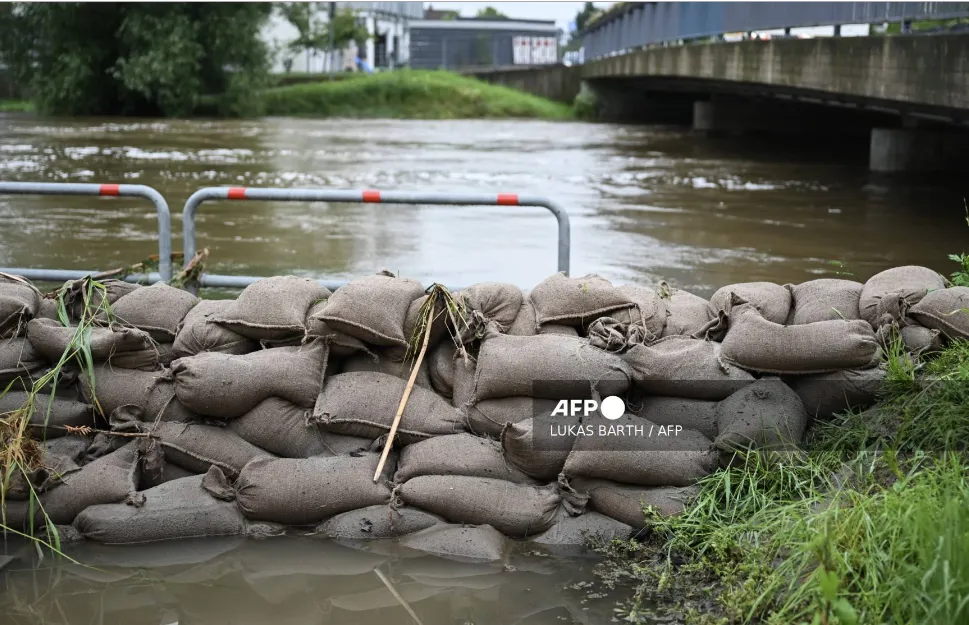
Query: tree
[(491, 12), (310, 28), (347, 28), (582, 19)]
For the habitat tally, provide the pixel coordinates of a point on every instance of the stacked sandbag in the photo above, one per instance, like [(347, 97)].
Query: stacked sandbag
[(85, 300), (50, 416), (944, 310), (19, 303), (888, 295), (772, 301), (157, 309), (627, 503), (825, 300), (576, 301), (20, 363), (686, 314), (765, 415), (272, 309), (117, 345), (199, 332), (681, 366)]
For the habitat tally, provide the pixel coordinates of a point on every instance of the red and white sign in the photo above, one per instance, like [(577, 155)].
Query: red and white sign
[(534, 50)]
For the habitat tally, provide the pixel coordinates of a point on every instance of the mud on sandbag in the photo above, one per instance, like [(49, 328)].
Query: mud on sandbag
[(364, 404), (516, 510), (686, 314), (825, 300), (827, 394), (383, 361), (152, 391), (588, 528), (539, 446), (772, 300), (692, 414), (457, 454), (19, 303), (199, 332), (372, 309), (576, 301), (281, 427), (20, 361), (122, 347), (273, 308), (756, 344), (157, 309), (945, 310), (227, 386), (626, 503), (893, 291), (376, 522), (681, 366), (481, 543), (49, 416), (304, 491), (488, 417), (765, 415)]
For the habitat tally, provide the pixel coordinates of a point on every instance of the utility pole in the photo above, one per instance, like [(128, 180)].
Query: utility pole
[(329, 52)]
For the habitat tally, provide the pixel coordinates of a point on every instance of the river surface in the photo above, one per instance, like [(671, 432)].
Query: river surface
[(646, 203)]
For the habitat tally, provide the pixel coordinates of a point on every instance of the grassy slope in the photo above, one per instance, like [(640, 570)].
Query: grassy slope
[(11, 106), (410, 95)]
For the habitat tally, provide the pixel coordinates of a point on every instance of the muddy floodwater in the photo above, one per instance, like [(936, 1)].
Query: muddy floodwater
[(646, 203)]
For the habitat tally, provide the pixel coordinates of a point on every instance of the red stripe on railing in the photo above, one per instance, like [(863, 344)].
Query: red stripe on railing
[(508, 199), (110, 189), (371, 196), (237, 193)]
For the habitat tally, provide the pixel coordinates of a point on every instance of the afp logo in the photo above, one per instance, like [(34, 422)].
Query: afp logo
[(611, 408)]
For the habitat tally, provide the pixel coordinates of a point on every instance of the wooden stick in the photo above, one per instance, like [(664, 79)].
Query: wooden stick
[(407, 390), (397, 596)]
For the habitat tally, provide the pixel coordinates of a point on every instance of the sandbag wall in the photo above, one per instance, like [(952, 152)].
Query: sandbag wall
[(229, 417)]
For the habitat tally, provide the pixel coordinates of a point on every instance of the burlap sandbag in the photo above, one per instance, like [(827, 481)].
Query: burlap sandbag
[(157, 309), (587, 529), (626, 503), (457, 454), (540, 446), (756, 344), (486, 302), (516, 510), (680, 366), (303, 491), (20, 360), (765, 415), (827, 394), (169, 472), (462, 390), (197, 447), (50, 416), (153, 391), (647, 455), (686, 314), (384, 361), (72, 446), (525, 323), (341, 345), (273, 308), (372, 309), (227, 386), (48, 309), (191, 507), (576, 301), (547, 366), (48, 471), (281, 427), (376, 522), (83, 299), (648, 313), (772, 300), (200, 333), (459, 542), (825, 300), (127, 348), (441, 368), (916, 339), (899, 287), (692, 414), (488, 417), (19, 303), (554, 328), (364, 404), (945, 310)]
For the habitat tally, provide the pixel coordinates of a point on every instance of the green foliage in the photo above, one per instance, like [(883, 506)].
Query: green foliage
[(585, 105), (15, 106), (582, 17), (137, 58), (491, 13), (961, 276)]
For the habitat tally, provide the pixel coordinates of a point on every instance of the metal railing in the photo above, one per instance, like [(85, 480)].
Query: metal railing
[(104, 190), (356, 196), (634, 25)]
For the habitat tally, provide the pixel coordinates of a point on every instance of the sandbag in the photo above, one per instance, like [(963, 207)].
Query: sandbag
[(459, 542), (157, 309), (441, 368), (364, 404), (169, 472), (462, 390), (576, 301), (540, 446), (152, 391), (756, 344), (191, 507), (457, 454), (19, 360), (945, 310), (772, 300), (546, 366), (227, 386), (525, 323), (488, 417), (48, 309), (900, 288), (825, 300), (303, 491), (686, 314), (341, 445), (383, 361), (341, 345), (765, 415), (198, 447), (83, 299), (484, 303), (916, 339), (692, 414), (273, 308), (51, 415), (555, 328), (372, 309), (516, 510), (48, 471), (644, 454), (126, 348), (281, 427), (680, 366), (19, 303), (589, 528), (72, 446), (376, 522), (626, 503), (648, 313), (200, 333), (827, 394)]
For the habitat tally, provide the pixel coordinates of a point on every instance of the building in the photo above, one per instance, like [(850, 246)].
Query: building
[(460, 43)]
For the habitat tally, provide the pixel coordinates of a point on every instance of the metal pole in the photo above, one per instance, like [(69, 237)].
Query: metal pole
[(331, 29)]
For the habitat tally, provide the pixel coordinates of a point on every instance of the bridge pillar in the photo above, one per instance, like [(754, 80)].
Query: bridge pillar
[(915, 150), (720, 116)]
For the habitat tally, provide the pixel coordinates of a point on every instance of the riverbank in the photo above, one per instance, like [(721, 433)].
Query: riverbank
[(15, 106)]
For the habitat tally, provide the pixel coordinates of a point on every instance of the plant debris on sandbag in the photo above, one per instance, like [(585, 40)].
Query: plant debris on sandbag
[(200, 333), (945, 310), (382, 361), (372, 309), (86, 297), (576, 301), (152, 391), (626, 503), (825, 300), (647, 455), (649, 312), (19, 303), (526, 321), (482, 304), (681, 366), (457, 454), (516, 510), (309, 490), (273, 308), (364, 404), (488, 417), (376, 522), (281, 427), (157, 309), (539, 446), (581, 531), (190, 507), (481, 543), (827, 394), (563, 367), (756, 344), (122, 347), (227, 386), (20, 361), (692, 414), (49, 416), (772, 300), (893, 291), (765, 415)]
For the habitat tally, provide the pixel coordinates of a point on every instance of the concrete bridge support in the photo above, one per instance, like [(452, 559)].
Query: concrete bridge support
[(895, 150)]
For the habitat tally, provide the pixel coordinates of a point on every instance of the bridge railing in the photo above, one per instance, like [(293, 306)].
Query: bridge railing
[(634, 25)]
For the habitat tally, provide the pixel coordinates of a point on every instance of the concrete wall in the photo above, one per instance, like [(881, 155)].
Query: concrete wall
[(556, 82)]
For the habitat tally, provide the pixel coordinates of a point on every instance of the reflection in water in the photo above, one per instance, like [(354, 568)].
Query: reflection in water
[(646, 203)]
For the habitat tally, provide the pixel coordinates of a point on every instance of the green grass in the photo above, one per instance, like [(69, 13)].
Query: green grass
[(410, 94), (15, 106)]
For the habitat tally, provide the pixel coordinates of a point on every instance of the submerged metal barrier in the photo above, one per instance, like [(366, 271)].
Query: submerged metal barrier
[(105, 190), (357, 196)]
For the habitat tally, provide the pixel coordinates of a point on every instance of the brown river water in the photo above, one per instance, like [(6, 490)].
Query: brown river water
[(646, 204)]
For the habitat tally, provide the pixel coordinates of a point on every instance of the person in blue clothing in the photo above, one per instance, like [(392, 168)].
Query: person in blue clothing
[(363, 66)]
